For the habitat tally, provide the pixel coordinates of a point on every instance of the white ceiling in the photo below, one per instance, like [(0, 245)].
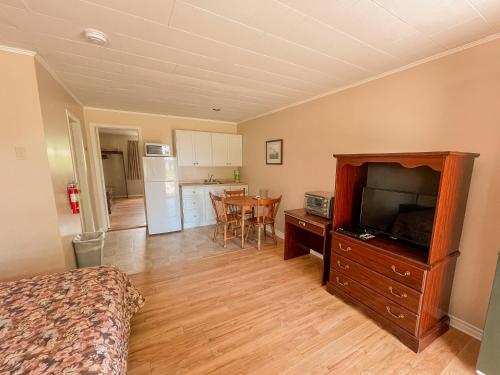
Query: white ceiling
[(185, 57)]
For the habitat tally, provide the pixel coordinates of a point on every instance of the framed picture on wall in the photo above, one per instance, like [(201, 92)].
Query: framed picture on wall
[(274, 152)]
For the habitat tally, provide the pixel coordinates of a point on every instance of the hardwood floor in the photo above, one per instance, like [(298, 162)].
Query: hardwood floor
[(127, 213), (250, 312)]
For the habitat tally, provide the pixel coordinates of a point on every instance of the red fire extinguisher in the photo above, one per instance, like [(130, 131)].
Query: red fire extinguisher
[(74, 199)]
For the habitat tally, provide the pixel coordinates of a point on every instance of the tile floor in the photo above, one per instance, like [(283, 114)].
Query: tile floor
[(134, 251)]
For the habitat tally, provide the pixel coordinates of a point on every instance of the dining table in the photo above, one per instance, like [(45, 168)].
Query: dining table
[(246, 203)]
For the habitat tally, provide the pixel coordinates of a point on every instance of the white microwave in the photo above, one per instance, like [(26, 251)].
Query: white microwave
[(156, 149)]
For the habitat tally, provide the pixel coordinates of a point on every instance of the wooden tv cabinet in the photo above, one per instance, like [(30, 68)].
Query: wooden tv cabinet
[(404, 287)]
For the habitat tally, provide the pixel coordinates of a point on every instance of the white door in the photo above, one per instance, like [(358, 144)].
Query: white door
[(160, 168), (202, 149), (163, 207), (185, 148), (80, 168), (235, 150), (219, 150)]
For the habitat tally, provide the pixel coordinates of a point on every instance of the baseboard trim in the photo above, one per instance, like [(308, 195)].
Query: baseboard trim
[(315, 253), (280, 234), (465, 327), (136, 195)]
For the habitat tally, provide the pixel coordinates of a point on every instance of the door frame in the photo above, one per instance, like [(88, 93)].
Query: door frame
[(99, 184), (86, 213)]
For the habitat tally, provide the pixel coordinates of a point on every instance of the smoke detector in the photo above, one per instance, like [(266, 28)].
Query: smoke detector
[(95, 36)]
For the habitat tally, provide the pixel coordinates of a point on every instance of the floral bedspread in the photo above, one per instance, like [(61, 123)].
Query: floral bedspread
[(68, 323)]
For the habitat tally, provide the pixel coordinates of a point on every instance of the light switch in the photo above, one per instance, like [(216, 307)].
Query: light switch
[(20, 153)]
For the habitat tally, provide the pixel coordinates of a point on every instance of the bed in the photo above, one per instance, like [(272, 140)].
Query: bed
[(67, 323)]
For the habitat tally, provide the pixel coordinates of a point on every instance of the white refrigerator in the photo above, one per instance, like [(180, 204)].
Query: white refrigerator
[(161, 190)]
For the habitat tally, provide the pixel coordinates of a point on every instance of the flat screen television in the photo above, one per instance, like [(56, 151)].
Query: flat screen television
[(401, 215)]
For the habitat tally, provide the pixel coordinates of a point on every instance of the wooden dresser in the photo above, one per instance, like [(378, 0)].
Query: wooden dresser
[(404, 287)]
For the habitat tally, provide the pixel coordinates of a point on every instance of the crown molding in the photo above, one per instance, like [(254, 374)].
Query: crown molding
[(43, 63), (158, 115), (53, 74), (438, 56), (19, 51)]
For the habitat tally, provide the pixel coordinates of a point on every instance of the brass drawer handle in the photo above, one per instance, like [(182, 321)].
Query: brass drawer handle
[(346, 249), (404, 274), (342, 283), (397, 316), (302, 223), (346, 267), (402, 295)]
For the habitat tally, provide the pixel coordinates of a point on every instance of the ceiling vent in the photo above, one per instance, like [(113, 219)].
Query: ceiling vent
[(95, 37)]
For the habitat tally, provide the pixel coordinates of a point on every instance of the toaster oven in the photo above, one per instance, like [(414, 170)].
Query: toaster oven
[(319, 203)]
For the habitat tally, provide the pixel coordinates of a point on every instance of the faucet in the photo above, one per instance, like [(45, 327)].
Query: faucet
[(210, 177)]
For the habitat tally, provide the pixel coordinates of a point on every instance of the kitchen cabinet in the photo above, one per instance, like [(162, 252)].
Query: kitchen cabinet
[(193, 148), (219, 149), (203, 149), (234, 150), (227, 150), (210, 217), (197, 207), (185, 148)]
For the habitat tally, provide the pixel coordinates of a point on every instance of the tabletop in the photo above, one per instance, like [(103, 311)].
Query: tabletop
[(246, 201)]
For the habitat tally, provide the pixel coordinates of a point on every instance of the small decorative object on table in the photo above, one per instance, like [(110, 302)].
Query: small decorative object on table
[(274, 151)]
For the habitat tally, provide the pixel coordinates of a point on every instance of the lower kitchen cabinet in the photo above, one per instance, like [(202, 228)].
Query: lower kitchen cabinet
[(197, 207)]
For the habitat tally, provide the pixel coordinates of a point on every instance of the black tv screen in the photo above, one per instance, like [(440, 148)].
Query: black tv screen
[(406, 216)]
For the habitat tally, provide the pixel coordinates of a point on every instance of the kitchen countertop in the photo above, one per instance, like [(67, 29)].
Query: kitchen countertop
[(224, 183)]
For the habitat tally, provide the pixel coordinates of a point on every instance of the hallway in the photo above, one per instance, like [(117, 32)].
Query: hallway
[(127, 213)]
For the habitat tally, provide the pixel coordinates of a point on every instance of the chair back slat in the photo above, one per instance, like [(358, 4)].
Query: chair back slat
[(219, 205), (235, 193)]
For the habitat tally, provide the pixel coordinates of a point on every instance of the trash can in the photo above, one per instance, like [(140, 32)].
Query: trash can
[(88, 249)]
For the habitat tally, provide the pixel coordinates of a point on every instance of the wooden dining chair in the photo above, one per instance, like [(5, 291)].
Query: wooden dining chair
[(234, 193), (264, 215), (225, 219)]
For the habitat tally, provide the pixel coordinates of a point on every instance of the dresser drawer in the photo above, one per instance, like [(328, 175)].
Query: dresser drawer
[(381, 305), (396, 269), (397, 292), (304, 224)]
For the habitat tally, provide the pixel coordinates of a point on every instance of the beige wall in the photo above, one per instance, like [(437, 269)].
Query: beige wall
[(54, 101), (448, 104), (29, 226), (159, 129)]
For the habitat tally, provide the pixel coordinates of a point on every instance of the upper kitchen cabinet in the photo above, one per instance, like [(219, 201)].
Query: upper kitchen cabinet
[(235, 150), (193, 148), (227, 150), (202, 149), (219, 149)]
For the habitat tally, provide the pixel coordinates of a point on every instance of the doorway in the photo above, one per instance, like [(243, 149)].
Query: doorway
[(121, 168)]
